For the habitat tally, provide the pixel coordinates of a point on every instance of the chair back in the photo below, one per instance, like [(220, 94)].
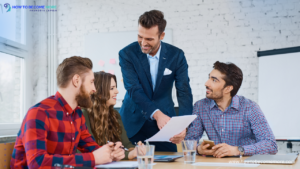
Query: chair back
[(6, 150), (179, 147)]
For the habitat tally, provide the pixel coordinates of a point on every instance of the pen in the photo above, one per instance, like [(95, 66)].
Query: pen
[(120, 146)]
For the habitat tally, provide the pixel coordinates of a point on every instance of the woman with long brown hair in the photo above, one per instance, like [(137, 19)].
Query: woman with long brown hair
[(103, 122)]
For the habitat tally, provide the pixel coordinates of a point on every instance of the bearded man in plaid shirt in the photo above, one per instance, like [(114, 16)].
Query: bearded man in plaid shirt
[(236, 124), (54, 129)]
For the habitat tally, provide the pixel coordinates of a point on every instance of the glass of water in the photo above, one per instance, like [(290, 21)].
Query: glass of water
[(58, 166), (145, 156), (189, 151), (61, 166)]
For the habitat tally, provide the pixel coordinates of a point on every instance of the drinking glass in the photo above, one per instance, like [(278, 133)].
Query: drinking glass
[(189, 151), (145, 156)]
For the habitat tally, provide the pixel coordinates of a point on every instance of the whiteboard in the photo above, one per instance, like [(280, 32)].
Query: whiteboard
[(279, 93), (103, 49)]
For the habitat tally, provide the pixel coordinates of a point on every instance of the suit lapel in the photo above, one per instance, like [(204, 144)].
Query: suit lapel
[(161, 66), (145, 64)]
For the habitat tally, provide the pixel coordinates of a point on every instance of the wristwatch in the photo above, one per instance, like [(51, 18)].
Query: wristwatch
[(241, 150)]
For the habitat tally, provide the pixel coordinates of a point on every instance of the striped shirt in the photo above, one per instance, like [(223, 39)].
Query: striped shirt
[(241, 124), (50, 133)]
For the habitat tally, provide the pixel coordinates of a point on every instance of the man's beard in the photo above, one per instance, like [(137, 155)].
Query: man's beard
[(215, 96), (151, 49), (84, 99)]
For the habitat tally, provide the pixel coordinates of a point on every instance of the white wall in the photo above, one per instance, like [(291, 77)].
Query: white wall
[(39, 61), (207, 31)]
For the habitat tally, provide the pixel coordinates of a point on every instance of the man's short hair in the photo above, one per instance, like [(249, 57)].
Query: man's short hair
[(233, 75), (153, 18), (71, 66)]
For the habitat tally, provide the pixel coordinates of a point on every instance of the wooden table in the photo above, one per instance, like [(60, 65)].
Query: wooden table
[(179, 163)]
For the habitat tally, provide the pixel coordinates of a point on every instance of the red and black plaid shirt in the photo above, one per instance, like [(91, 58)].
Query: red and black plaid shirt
[(50, 133)]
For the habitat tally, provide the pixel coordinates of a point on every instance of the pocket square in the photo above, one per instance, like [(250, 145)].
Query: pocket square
[(167, 72)]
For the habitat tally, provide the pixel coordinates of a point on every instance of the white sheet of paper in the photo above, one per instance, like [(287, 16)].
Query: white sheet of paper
[(226, 164), (175, 126), (119, 164)]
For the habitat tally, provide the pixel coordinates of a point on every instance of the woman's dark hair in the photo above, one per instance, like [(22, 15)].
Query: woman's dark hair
[(153, 18), (233, 75), (104, 120)]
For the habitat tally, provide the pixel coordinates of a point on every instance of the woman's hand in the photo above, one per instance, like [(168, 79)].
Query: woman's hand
[(133, 153), (118, 153)]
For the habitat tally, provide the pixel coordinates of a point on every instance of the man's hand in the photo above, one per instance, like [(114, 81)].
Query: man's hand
[(161, 119), (178, 138), (118, 153), (223, 149), (103, 154), (202, 149)]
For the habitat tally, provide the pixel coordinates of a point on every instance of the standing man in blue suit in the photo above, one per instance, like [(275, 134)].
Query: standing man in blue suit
[(149, 69)]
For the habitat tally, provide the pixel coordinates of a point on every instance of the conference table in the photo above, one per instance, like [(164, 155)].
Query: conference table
[(179, 163)]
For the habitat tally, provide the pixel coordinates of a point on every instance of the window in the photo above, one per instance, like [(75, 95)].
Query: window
[(13, 52), (11, 88), (12, 21)]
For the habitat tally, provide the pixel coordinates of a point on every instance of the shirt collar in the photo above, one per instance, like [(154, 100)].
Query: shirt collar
[(234, 103), (212, 104), (63, 103), (157, 53)]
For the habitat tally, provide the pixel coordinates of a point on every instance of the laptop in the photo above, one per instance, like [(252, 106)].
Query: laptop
[(166, 158), (272, 159)]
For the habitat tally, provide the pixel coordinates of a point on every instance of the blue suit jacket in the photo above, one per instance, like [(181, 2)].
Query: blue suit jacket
[(140, 100)]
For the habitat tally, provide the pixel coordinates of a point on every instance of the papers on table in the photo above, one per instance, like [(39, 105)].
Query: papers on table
[(175, 126), (119, 164), (225, 164)]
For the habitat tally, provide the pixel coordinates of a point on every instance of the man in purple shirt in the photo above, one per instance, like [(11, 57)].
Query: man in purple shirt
[(236, 124)]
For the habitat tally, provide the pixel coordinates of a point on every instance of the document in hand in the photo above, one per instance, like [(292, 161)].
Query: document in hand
[(175, 126)]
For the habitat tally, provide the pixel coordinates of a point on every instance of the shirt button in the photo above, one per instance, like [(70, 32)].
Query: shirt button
[(67, 113), (71, 122), (73, 138), (222, 116), (222, 129)]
